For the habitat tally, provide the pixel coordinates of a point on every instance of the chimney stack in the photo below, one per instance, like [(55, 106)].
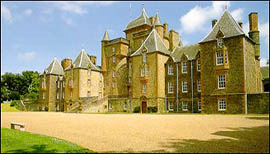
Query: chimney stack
[(254, 32), (214, 22)]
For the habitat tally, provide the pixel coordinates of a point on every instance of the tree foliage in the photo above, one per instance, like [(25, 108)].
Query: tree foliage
[(16, 86)]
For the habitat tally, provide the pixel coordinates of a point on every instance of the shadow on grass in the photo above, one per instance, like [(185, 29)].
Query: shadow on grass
[(244, 140), (45, 149), (258, 118)]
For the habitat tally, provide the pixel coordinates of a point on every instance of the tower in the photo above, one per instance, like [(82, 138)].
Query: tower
[(254, 32), (103, 43)]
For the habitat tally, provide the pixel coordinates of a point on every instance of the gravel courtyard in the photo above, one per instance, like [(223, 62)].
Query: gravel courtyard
[(132, 132)]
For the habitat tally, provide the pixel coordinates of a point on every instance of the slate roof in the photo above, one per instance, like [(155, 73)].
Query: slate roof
[(190, 51), (152, 43), (265, 72), (141, 20), (55, 68), (227, 25), (83, 61)]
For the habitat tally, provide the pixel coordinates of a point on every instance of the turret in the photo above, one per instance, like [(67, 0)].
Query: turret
[(158, 26), (103, 43), (174, 39), (254, 32)]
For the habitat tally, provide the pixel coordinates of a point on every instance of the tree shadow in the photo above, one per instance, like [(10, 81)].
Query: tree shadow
[(241, 140), (34, 149), (258, 118)]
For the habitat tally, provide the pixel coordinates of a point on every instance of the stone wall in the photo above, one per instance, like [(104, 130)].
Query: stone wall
[(258, 103)]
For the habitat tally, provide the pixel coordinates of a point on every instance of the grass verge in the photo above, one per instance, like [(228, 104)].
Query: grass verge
[(5, 107), (15, 141)]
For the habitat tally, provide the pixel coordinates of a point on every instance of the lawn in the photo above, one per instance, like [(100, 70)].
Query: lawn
[(5, 107), (15, 141)]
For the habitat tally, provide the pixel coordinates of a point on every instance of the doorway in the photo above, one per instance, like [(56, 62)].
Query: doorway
[(144, 107)]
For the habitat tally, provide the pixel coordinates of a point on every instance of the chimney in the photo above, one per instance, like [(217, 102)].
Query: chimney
[(92, 59), (173, 39), (240, 24), (152, 19), (254, 32), (214, 22)]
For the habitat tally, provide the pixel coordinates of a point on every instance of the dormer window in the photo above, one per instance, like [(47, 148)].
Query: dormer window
[(220, 43), (219, 58), (144, 57), (170, 69), (113, 59)]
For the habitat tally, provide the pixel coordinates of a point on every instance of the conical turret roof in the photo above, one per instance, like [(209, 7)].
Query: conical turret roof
[(141, 20), (106, 36), (157, 21), (55, 68)]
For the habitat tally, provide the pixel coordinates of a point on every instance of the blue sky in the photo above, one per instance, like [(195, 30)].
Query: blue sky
[(33, 33)]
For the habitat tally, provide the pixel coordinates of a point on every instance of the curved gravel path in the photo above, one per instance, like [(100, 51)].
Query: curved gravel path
[(127, 132)]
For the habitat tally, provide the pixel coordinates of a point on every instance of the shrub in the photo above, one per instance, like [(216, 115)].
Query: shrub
[(152, 109), (137, 109), (15, 103)]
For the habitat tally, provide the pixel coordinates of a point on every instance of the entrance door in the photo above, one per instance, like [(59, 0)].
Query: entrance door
[(144, 107)]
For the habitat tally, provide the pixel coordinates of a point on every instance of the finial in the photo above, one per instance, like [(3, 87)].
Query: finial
[(143, 5), (83, 50), (226, 7)]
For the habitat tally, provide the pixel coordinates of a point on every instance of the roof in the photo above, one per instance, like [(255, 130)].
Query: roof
[(55, 68), (157, 21), (190, 51), (106, 36), (141, 20), (152, 43), (265, 72), (83, 61), (227, 25)]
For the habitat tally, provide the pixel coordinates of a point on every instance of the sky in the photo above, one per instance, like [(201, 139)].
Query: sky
[(34, 33)]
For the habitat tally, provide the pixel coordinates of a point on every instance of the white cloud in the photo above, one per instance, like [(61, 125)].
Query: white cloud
[(238, 14), (28, 12), (67, 20), (196, 19), (26, 56), (263, 62), (6, 14)]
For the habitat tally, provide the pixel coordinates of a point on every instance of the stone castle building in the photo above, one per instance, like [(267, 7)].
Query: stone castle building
[(151, 71)]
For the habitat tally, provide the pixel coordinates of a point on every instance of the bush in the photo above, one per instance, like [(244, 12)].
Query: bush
[(15, 103), (152, 109), (137, 109)]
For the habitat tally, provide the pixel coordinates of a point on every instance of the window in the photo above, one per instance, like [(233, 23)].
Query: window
[(142, 72), (113, 59), (220, 58), (113, 74), (113, 85), (70, 83), (170, 87), (221, 81), (57, 95), (144, 88), (184, 106), (221, 105), (43, 95), (170, 69), (88, 93), (89, 72), (113, 50), (184, 87), (199, 85), (198, 65), (226, 57), (58, 84), (89, 82), (144, 57), (199, 106), (184, 67), (110, 106), (63, 84), (71, 94), (219, 43), (171, 106), (63, 94)]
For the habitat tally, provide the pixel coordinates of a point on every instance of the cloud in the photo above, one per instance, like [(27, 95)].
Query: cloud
[(67, 20), (80, 6), (28, 12), (6, 13), (263, 62), (197, 17), (238, 14), (26, 56)]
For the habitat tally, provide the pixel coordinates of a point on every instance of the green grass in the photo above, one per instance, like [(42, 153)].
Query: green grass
[(5, 107), (15, 141)]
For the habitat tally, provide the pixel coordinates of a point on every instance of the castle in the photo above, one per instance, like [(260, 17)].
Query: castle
[(151, 71)]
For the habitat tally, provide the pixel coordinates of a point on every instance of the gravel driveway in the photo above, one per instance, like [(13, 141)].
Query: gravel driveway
[(127, 132)]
